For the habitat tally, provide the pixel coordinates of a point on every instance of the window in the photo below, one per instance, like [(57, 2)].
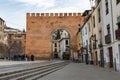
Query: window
[(94, 43), (83, 33), (89, 26), (118, 22), (108, 28), (86, 42), (99, 15), (55, 50), (94, 21), (107, 9), (117, 1), (66, 42), (118, 25), (55, 44), (86, 30)]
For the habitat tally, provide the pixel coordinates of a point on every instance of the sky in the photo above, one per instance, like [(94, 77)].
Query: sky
[(14, 11)]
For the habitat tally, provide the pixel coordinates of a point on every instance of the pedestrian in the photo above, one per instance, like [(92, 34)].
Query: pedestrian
[(32, 57)]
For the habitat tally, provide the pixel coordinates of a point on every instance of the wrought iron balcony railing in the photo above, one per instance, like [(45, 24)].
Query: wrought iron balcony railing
[(117, 33), (108, 39)]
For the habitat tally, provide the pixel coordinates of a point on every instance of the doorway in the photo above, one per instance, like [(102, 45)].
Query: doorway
[(110, 57), (119, 52), (96, 58), (101, 58), (62, 39)]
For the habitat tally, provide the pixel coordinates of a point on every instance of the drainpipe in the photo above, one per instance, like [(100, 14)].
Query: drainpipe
[(112, 19)]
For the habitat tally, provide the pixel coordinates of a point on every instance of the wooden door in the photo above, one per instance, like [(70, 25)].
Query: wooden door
[(119, 52), (96, 58), (102, 58), (110, 57)]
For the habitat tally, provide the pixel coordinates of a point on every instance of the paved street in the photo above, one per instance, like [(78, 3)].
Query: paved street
[(78, 71)]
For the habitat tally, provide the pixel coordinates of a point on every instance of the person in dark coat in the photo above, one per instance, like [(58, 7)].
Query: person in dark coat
[(32, 57)]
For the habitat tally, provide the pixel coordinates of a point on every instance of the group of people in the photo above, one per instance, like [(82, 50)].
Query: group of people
[(23, 58)]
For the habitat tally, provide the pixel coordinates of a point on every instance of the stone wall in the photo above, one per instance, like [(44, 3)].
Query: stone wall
[(41, 26)]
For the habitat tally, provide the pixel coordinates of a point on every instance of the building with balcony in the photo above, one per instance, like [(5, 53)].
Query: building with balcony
[(116, 31), (104, 33), (85, 42), (79, 43)]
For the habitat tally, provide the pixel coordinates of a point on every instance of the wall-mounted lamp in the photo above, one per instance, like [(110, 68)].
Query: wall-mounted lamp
[(93, 38)]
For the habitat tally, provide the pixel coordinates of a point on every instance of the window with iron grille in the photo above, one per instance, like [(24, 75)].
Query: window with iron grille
[(107, 7), (108, 28), (117, 1), (94, 21), (118, 22), (99, 15), (55, 44)]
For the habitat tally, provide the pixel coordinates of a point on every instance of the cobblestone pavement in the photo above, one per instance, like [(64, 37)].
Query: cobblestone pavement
[(80, 71)]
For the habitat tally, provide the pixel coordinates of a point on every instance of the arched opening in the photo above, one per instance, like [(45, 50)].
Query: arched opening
[(61, 48)]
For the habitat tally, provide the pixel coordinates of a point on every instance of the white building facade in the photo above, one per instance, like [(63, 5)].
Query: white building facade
[(64, 43), (103, 35), (116, 28), (85, 42)]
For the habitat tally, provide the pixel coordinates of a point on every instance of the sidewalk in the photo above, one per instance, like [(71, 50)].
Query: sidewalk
[(8, 63), (5, 63), (80, 71), (11, 66)]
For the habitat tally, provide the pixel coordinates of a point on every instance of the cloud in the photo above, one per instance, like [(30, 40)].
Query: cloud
[(39, 3), (56, 5), (70, 6), (17, 12), (63, 10)]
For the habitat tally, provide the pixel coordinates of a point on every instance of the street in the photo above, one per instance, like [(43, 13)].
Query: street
[(53, 70), (80, 71)]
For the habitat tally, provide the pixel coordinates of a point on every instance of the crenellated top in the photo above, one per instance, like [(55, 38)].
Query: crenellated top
[(52, 14)]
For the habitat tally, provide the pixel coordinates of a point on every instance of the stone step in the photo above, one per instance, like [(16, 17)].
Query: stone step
[(44, 74), (23, 72), (10, 69), (24, 77)]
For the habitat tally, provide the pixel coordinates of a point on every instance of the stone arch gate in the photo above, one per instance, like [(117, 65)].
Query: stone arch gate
[(40, 28)]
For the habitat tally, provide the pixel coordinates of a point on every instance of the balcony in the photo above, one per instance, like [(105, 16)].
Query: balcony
[(117, 32), (108, 39)]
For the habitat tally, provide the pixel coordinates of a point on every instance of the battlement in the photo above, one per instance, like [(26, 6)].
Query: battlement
[(52, 14)]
